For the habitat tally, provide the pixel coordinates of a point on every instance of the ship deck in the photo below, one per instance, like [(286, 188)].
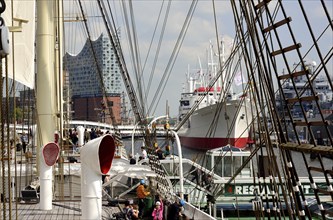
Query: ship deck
[(61, 210)]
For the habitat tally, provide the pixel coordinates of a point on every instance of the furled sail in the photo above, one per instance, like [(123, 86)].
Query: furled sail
[(21, 58)]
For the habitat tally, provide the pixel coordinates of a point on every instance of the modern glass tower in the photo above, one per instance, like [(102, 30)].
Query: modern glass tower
[(86, 80)]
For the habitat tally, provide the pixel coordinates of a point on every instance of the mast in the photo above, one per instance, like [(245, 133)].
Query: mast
[(46, 93), (59, 64)]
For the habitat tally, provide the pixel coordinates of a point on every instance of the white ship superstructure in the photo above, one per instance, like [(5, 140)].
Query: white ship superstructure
[(214, 123), (322, 89)]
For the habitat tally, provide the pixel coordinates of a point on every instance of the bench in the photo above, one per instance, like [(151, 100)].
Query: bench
[(30, 196)]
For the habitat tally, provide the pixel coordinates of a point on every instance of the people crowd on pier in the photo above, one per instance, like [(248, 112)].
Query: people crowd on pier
[(174, 211), (151, 205)]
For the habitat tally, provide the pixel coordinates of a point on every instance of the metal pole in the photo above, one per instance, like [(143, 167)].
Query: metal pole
[(133, 132), (180, 155)]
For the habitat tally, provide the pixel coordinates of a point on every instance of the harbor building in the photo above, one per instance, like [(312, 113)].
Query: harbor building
[(92, 78)]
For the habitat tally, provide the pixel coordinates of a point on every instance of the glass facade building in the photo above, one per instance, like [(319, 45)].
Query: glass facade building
[(83, 75), (86, 77)]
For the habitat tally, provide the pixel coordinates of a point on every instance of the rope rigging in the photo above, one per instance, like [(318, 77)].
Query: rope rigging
[(138, 111), (132, 38), (259, 52), (158, 48), (174, 54)]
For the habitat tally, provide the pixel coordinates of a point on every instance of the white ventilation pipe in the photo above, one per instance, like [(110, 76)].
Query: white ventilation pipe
[(80, 135), (50, 153), (180, 155), (96, 160)]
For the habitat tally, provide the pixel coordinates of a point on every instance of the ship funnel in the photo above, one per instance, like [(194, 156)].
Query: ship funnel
[(49, 157), (96, 160)]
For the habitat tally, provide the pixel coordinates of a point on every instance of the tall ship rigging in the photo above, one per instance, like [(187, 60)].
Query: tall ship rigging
[(280, 179)]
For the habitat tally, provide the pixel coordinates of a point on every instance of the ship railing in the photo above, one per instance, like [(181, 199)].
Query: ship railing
[(193, 212), (196, 193), (245, 180), (199, 187), (171, 166)]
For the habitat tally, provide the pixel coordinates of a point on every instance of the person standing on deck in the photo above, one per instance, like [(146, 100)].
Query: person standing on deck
[(129, 212), (175, 210), (93, 134), (12, 151), (24, 140), (158, 211), (132, 159), (141, 194), (143, 153), (132, 162), (86, 135), (135, 215)]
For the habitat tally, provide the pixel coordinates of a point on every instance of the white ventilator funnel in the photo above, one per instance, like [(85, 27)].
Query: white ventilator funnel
[(96, 160), (80, 134), (49, 157)]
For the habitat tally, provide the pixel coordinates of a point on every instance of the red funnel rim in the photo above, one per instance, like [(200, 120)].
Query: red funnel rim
[(51, 153), (106, 153)]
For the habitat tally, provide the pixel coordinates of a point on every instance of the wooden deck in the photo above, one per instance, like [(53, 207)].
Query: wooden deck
[(61, 210)]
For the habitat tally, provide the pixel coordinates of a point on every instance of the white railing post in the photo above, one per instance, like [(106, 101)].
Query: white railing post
[(180, 155)]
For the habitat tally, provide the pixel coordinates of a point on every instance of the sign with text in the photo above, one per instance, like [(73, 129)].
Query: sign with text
[(268, 189)]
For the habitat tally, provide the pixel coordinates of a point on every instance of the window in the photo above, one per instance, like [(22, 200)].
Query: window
[(110, 103), (185, 103)]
